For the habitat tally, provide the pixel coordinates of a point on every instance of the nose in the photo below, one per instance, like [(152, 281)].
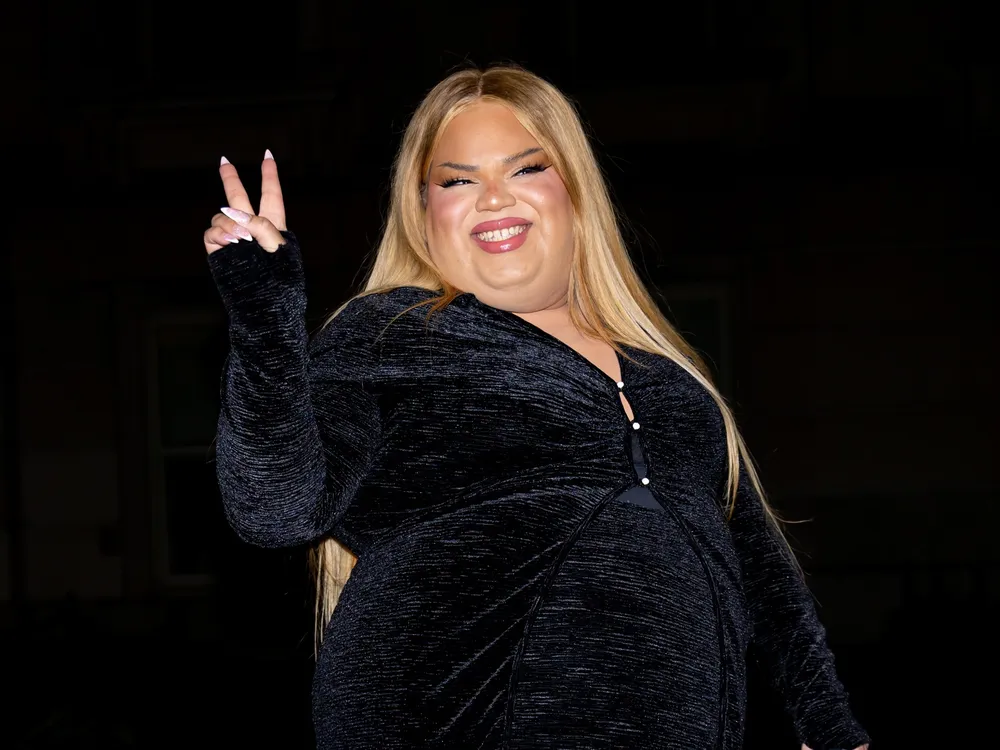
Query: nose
[(494, 196)]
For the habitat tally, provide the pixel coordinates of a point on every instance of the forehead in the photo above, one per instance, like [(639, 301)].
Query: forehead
[(485, 129)]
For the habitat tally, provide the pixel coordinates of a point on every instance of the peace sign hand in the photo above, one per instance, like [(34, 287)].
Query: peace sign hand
[(238, 221)]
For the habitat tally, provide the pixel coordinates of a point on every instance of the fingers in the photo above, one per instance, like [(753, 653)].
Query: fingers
[(224, 231), (261, 229), (272, 204), (236, 196), (237, 220), (217, 238), (230, 226)]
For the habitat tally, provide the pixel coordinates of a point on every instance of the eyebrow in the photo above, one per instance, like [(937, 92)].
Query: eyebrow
[(506, 160)]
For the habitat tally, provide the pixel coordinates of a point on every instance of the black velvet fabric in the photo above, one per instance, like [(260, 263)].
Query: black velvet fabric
[(502, 598)]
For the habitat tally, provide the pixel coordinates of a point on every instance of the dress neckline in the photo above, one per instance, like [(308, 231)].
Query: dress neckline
[(539, 333)]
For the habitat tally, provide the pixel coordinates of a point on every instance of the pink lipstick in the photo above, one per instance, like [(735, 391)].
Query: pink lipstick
[(501, 235)]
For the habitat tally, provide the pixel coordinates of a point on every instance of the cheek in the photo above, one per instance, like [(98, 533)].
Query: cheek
[(445, 212), (556, 210)]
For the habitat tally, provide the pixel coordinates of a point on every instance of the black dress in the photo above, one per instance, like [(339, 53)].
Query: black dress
[(534, 570)]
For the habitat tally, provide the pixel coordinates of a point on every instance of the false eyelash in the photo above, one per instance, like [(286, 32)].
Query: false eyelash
[(536, 169), (452, 181)]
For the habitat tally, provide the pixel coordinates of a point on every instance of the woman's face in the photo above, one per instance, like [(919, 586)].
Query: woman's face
[(499, 221)]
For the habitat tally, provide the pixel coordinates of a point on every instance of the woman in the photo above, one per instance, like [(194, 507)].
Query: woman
[(559, 540)]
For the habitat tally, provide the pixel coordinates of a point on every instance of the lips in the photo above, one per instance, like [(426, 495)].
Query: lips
[(496, 224), (501, 235)]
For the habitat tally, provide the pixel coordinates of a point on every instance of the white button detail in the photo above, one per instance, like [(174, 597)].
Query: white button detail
[(645, 480), (635, 425), (621, 384)]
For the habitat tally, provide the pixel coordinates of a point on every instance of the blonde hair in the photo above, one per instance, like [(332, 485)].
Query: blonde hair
[(606, 298)]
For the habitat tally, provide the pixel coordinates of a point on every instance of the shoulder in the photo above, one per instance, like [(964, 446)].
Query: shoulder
[(381, 307), (364, 319)]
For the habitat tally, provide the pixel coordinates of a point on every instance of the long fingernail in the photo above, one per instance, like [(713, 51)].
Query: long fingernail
[(268, 154), (243, 234), (230, 239), (224, 161), (240, 217)]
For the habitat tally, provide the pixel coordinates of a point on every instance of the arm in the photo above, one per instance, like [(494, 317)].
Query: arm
[(295, 433), (788, 636)]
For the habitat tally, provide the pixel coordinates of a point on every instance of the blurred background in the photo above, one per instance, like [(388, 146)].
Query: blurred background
[(811, 188)]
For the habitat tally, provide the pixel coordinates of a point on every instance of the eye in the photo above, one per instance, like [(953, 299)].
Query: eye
[(532, 169), (454, 181)]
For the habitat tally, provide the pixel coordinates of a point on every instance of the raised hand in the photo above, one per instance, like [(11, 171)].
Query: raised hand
[(237, 221)]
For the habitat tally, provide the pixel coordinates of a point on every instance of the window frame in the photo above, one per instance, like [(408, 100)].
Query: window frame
[(720, 294), (157, 453)]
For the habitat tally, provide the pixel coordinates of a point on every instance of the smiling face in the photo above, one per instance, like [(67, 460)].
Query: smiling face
[(498, 220)]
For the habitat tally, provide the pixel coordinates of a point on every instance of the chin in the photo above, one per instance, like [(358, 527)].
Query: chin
[(517, 284)]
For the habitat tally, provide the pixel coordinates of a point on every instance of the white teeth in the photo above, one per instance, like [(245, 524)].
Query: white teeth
[(500, 235)]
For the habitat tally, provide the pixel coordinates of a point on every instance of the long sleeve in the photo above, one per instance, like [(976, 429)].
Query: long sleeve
[(789, 639), (295, 433)]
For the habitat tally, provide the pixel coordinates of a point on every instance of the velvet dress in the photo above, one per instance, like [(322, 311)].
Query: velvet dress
[(535, 570)]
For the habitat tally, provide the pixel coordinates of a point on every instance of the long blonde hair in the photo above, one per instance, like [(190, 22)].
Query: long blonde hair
[(606, 298)]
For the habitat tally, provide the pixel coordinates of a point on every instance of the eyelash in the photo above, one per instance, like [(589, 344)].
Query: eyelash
[(535, 169)]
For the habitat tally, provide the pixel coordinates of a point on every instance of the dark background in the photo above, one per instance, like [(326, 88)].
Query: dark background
[(812, 190)]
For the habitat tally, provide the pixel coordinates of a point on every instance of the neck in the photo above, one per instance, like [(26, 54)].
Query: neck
[(551, 319)]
